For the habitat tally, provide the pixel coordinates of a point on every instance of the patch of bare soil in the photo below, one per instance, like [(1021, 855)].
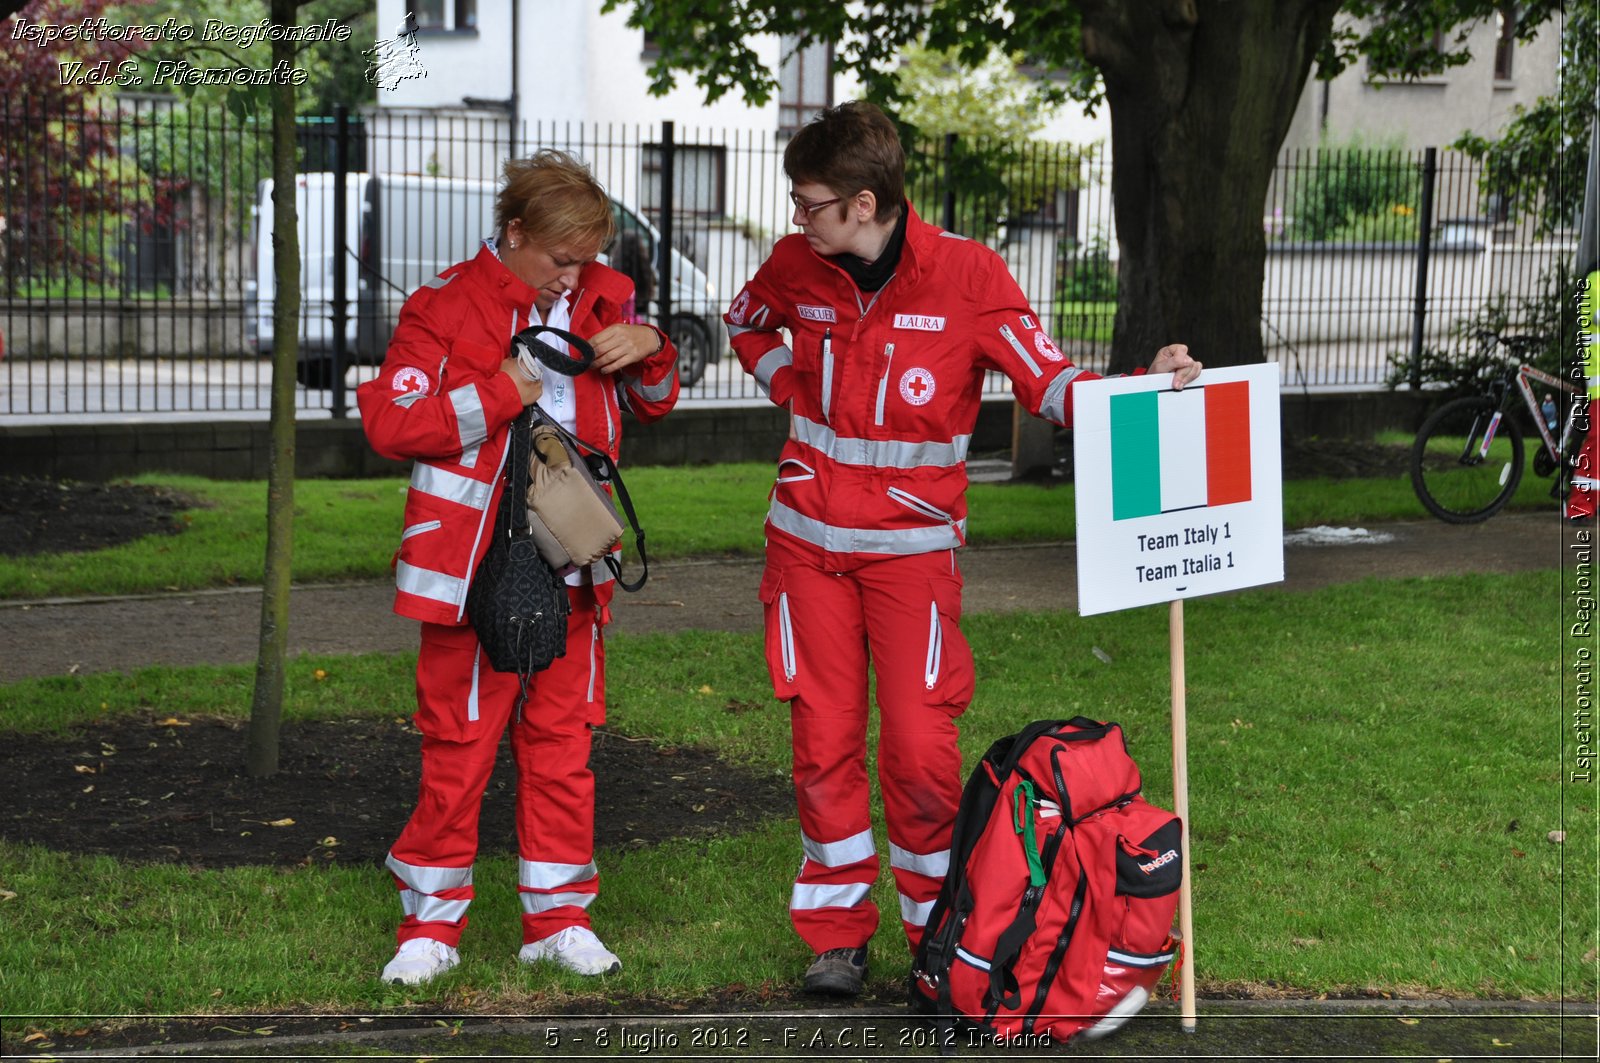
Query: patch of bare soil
[(149, 789), (60, 516)]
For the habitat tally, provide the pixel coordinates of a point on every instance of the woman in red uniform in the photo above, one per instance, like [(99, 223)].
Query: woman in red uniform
[(892, 325), (445, 397)]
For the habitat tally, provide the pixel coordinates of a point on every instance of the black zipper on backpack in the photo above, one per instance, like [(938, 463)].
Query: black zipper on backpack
[(1058, 953)]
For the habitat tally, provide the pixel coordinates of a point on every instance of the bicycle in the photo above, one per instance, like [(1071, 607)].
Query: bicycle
[(1466, 462)]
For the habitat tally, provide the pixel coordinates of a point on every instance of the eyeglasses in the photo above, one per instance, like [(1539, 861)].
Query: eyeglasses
[(808, 209)]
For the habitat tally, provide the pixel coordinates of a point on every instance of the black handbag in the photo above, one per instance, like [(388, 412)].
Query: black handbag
[(517, 604)]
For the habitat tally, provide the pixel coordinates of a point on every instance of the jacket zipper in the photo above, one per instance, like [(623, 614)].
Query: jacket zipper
[(935, 646), (827, 373), (786, 637), (883, 381), (917, 505)]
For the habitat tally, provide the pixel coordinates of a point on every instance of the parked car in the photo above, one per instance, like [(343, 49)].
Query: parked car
[(401, 230)]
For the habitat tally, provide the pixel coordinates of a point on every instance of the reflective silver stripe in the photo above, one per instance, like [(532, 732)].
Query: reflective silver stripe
[(740, 330), (954, 236), (975, 960), (651, 392), (539, 875), (935, 647), (534, 903), (1054, 406), (472, 691), (1133, 959), (849, 850), (429, 879), (866, 540), (1022, 352), (472, 426), (407, 399), (425, 583), (477, 537), (807, 897), (428, 909), (770, 363), (934, 865), (451, 486), (439, 282), (881, 453), (914, 912)]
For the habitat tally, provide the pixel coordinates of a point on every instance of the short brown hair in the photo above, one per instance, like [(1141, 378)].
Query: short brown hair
[(556, 199), (851, 148)]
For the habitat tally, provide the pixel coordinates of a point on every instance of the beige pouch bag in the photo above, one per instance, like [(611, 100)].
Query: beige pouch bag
[(571, 516)]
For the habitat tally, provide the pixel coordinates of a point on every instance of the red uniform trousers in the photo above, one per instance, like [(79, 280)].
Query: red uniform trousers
[(463, 708), (823, 627)]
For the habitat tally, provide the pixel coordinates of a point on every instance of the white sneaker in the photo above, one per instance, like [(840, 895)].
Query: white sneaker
[(418, 960), (575, 948)]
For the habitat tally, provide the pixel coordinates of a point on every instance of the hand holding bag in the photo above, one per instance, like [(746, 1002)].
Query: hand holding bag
[(517, 604), (572, 517)]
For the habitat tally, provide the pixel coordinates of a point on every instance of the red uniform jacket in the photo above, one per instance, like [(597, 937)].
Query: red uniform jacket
[(885, 386), (441, 399)]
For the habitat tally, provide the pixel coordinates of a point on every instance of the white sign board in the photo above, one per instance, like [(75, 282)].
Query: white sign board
[(1179, 493)]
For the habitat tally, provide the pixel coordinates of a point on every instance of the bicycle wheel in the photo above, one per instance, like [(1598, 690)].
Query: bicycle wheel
[(1464, 465)]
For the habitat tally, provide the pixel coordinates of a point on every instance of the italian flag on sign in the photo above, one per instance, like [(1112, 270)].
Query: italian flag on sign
[(1173, 450)]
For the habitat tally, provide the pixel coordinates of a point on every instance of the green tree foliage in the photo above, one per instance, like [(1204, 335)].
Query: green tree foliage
[(971, 131), (1537, 165), (1201, 94), (65, 184)]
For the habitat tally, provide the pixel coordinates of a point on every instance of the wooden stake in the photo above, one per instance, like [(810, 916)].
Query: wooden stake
[(1180, 803)]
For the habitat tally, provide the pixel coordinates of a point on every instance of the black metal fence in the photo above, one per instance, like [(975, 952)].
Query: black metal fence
[(135, 257)]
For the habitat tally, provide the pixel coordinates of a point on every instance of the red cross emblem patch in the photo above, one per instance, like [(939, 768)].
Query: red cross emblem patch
[(917, 386), (410, 378)]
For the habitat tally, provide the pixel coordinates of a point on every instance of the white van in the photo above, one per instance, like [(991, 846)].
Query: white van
[(401, 230)]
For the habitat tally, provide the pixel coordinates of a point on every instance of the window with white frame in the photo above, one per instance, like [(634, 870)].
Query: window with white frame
[(446, 15), (1505, 41), (805, 83)]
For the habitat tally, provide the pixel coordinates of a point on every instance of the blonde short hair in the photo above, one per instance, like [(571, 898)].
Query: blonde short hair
[(556, 199)]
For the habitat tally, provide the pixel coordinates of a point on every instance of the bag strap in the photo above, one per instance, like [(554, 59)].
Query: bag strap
[(527, 344), (603, 468)]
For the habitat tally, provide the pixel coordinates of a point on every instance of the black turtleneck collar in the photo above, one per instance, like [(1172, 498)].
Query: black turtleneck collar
[(870, 276)]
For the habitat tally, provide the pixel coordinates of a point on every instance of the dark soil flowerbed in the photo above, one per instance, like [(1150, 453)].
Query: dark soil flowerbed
[(146, 788), (60, 516)]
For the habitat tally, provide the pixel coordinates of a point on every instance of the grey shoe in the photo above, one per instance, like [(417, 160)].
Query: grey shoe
[(838, 972)]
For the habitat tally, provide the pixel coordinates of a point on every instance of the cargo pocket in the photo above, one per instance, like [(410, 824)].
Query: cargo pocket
[(450, 672), (782, 659), (947, 673)]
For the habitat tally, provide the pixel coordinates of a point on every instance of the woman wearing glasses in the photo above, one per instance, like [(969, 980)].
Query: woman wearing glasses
[(892, 324)]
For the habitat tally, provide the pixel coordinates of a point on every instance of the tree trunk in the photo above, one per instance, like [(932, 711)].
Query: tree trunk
[(266, 703), (1201, 93)]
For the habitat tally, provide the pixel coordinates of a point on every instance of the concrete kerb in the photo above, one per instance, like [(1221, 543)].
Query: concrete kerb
[(1232, 1029)]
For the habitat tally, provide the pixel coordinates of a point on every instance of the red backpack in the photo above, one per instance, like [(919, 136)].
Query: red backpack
[(1055, 919)]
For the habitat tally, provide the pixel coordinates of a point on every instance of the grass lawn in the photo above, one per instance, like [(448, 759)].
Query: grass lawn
[(349, 529), (1373, 771)]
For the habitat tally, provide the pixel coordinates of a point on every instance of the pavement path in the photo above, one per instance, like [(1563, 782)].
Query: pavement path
[(80, 636)]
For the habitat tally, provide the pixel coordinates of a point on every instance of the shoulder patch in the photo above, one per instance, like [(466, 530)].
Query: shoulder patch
[(410, 379), (439, 281)]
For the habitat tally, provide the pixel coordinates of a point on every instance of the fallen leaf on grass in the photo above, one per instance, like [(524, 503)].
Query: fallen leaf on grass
[(1304, 943), (1591, 955), (329, 842), (1502, 1044), (1518, 853), (7, 895), (33, 1037), (1556, 837), (705, 688), (1410, 1022), (284, 822), (83, 769), (172, 721)]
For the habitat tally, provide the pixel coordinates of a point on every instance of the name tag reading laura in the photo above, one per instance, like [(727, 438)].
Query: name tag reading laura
[(919, 322)]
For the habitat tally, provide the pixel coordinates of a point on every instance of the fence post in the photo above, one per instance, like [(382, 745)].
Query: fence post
[(664, 270), (341, 308), (1419, 313), (949, 219)]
